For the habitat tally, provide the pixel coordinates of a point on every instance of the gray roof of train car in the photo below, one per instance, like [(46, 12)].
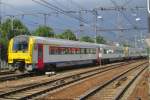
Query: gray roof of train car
[(67, 43)]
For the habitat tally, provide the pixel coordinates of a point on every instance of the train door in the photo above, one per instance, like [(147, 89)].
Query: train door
[(40, 57)]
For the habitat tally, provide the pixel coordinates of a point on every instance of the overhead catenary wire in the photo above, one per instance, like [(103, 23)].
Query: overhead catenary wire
[(53, 7), (124, 15)]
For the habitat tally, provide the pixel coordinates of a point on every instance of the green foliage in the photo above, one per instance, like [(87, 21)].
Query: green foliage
[(67, 34), (10, 29), (3, 48), (87, 39), (44, 31), (100, 40)]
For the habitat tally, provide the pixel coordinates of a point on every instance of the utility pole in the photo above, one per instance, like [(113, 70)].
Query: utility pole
[(12, 22), (80, 23), (95, 23), (45, 19), (135, 41)]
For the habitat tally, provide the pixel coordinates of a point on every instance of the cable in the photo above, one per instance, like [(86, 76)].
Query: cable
[(53, 7), (124, 15)]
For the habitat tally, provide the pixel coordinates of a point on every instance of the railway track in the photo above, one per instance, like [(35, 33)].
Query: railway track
[(37, 89), (5, 72), (13, 76), (76, 90), (139, 89), (115, 88)]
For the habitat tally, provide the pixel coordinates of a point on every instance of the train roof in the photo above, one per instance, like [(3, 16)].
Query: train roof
[(61, 42), (66, 43)]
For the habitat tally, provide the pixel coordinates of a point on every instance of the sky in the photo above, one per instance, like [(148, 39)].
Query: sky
[(109, 19)]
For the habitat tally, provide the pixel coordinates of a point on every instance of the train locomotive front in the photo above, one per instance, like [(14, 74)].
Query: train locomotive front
[(19, 53)]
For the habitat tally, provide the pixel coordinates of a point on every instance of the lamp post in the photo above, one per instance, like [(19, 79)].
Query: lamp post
[(97, 17)]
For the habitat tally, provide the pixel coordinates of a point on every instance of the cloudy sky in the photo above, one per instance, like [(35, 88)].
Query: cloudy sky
[(108, 19)]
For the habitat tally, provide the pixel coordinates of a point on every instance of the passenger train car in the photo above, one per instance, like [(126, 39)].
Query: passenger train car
[(33, 53)]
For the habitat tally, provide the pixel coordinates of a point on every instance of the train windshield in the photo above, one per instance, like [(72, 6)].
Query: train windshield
[(20, 44)]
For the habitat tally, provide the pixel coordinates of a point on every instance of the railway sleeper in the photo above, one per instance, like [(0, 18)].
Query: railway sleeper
[(76, 77)]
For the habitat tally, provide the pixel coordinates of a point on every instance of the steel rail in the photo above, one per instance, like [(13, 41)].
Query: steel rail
[(56, 83), (100, 87)]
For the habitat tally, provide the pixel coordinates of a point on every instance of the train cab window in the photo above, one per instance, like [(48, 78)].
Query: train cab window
[(20, 44)]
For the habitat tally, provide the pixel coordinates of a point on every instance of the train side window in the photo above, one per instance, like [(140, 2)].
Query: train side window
[(85, 51), (77, 50), (62, 50), (73, 50), (105, 51), (51, 50), (59, 51), (82, 50), (92, 51), (56, 50), (66, 50), (70, 51)]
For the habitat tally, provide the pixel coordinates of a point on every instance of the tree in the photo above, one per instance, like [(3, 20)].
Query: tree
[(13, 28), (44, 31), (67, 34), (3, 48), (100, 40), (9, 29), (87, 39)]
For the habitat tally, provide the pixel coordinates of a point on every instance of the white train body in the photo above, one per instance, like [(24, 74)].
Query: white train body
[(42, 53), (59, 53)]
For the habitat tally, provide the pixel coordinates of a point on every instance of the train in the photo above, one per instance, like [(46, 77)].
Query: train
[(35, 53)]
